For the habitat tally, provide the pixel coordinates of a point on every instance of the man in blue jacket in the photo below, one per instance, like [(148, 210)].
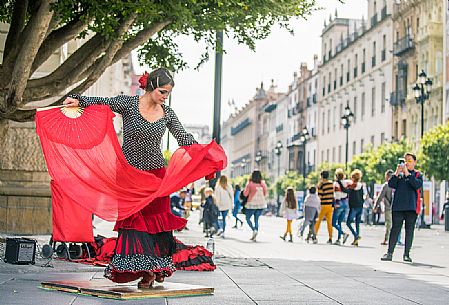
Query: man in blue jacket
[(407, 184)]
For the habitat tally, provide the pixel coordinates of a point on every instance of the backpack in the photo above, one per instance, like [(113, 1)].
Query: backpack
[(243, 198)]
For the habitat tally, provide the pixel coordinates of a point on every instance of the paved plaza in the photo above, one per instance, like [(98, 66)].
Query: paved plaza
[(271, 271)]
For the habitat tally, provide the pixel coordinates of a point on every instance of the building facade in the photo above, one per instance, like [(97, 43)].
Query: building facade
[(356, 73)]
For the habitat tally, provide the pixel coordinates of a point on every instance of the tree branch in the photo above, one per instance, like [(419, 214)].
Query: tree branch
[(20, 115), (107, 59), (16, 26), (56, 39), (31, 40)]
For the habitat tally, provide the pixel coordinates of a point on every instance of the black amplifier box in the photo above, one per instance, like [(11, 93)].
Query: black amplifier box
[(20, 251)]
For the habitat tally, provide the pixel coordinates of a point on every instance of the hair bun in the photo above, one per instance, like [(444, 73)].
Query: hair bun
[(143, 80)]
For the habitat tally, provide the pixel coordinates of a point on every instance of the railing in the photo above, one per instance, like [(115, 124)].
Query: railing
[(403, 45), (374, 20), (383, 13)]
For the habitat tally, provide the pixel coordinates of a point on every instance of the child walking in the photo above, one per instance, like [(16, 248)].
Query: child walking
[(289, 209), (312, 207), (210, 213)]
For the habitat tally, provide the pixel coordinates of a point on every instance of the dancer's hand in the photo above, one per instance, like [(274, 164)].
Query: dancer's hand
[(71, 102)]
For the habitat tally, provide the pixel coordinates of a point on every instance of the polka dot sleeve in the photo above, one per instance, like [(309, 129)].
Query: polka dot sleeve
[(117, 104), (177, 130)]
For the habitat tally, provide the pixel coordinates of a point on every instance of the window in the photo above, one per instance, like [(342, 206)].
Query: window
[(373, 101), (356, 62), (341, 113), (354, 109), (373, 59), (383, 98), (384, 47), (335, 79), (404, 128), (362, 114), (334, 123), (333, 154), (354, 147), (372, 141), (328, 121), (363, 61), (382, 138), (349, 69), (323, 122), (339, 153), (322, 156), (361, 146), (341, 75), (327, 155)]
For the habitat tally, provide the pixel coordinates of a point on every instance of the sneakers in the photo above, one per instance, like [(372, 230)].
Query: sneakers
[(283, 237), (345, 237), (384, 243), (388, 257), (315, 241), (329, 242), (355, 242), (407, 259), (253, 238), (337, 242)]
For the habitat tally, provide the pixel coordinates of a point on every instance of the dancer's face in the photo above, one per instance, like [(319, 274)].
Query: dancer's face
[(160, 94)]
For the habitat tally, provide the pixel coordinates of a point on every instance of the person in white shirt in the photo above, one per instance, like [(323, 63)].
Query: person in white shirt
[(289, 209)]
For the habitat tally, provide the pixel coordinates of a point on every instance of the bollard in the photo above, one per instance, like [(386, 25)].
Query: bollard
[(446, 219)]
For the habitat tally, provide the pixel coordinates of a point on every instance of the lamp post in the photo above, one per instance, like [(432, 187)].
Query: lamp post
[(258, 157), (346, 121), (422, 93), (278, 151)]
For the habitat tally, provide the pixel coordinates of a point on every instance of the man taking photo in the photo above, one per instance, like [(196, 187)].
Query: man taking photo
[(407, 184)]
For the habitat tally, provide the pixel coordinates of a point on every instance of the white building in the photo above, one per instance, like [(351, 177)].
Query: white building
[(356, 71)]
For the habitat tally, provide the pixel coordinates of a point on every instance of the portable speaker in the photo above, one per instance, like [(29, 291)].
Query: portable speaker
[(20, 251)]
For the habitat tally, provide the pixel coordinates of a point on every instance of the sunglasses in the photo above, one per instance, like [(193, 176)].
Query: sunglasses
[(164, 91)]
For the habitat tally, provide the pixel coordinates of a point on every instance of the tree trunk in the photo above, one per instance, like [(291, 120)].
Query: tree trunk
[(4, 125)]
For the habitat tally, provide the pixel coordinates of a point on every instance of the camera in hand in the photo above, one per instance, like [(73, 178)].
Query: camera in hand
[(401, 162)]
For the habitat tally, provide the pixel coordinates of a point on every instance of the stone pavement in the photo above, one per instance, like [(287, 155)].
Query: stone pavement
[(269, 272)]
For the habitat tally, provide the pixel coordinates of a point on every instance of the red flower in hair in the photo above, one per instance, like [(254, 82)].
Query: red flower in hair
[(143, 80)]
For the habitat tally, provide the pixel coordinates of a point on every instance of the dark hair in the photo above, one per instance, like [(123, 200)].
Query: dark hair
[(411, 155), (290, 199), (256, 177), (156, 79), (325, 174), (312, 190)]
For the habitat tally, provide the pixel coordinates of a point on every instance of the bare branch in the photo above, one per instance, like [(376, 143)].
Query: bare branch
[(56, 39), (16, 26), (31, 40), (20, 115)]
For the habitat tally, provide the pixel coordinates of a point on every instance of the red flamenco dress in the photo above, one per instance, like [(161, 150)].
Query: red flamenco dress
[(90, 172)]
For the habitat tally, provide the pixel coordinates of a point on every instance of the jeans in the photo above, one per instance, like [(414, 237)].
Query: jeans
[(339, 216), (355, 213), (249, 213), (224, 214), (398, 218)]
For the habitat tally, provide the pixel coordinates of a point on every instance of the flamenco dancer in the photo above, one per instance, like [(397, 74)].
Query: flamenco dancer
[(145, 242)]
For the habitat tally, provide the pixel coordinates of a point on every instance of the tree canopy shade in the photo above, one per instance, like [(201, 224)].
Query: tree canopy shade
[(434, 152), (38, 28)]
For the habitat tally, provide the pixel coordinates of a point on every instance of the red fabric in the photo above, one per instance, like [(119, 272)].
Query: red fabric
[(65, 214), (86, 162)]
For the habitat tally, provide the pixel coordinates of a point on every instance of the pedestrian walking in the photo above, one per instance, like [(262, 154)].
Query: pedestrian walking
[(255, 191), (355, 196), (340, 206), (289, 210), (237, 206), (224, 199), (407, 183), (312, 205), (190, 191), (210, 213), (326, 193), (386, 196)]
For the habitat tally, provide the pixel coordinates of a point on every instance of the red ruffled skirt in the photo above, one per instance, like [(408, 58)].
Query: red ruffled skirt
[(145, 241)]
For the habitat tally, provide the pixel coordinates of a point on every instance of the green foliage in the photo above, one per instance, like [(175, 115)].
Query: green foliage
[(244, 20), (434, 158), (291, 179), (314, 177), (167, 155)]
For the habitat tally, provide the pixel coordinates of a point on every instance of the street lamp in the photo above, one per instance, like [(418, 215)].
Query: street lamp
[(303, 138), (258, 157), (422, 93), (346, 120), (278, 151)]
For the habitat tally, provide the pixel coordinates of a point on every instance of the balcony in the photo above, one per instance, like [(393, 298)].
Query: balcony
[(383, 13), (373, 61), (374, 20), (403, 45), (242, 125), (270, 107), (397, 98)]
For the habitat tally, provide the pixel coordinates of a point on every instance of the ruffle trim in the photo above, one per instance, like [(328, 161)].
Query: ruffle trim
[(200, 263), (141, 262), (152, 224)]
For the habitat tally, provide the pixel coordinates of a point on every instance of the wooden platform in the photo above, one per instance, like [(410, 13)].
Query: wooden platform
[(107, 289)]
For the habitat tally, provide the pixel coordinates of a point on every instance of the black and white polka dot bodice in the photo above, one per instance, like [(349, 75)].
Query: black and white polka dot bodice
[(141, 138)]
